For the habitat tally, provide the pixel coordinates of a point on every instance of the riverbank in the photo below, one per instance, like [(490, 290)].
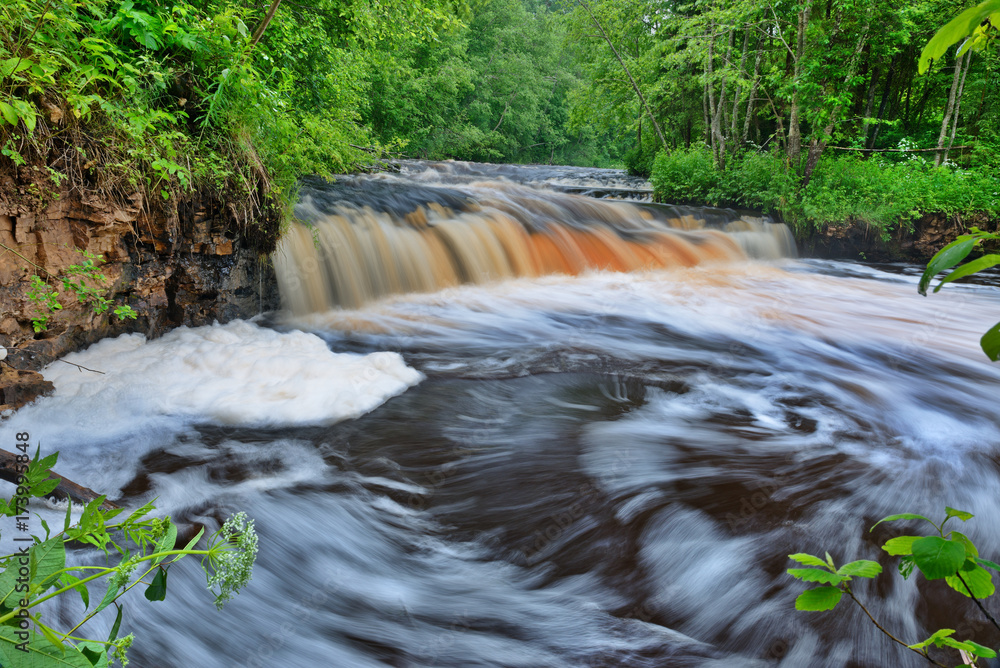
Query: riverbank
[(188, 262)]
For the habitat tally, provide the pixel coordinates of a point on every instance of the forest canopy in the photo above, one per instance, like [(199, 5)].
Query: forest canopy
[(168, 95)]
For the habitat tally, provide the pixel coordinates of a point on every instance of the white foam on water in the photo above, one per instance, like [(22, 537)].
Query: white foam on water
[(238, 374)]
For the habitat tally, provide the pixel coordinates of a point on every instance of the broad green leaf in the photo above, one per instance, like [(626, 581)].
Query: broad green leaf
[(962, 514), (979, 580), (861, 568), (938, 558), (69, 580), (971, 551), (50, 635), (8, 582), (95, 652), (900, 516), (157, 590), (41, 653), (820, 598), (957, 644), (801, 557), (8, 113), (981, 650), (958, 28), (46, 560), (901, 545), (934, 639), (946, 258), (990, 342), (816, 575), (989, 564)]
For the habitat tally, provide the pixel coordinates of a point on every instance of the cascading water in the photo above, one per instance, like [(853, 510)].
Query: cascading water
[(608, 427)]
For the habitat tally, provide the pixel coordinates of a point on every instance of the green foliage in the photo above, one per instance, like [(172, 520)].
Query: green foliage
[(951, 556), (85, 281), (951, 255), (145, 547), (977, 25), (845, 189)]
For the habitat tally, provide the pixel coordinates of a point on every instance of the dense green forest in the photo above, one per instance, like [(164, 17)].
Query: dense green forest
[(246, 97)]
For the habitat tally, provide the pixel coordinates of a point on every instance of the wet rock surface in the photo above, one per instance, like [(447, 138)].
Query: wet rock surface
[(181, 265)]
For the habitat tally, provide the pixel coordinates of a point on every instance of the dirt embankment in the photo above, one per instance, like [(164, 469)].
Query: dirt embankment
[(184, 262), (858, 241)]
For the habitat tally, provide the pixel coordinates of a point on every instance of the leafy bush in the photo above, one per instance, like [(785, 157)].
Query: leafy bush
[(950, 556), (842, 190), (685, 176), (145, 548)]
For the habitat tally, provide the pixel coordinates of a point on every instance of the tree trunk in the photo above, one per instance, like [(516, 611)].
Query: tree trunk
[(753, 90), (950, 108), (736, 92), (885, 99), (869, 105), (818, 144), (263, 24), (794, 129), (958, 106), (621, 62)]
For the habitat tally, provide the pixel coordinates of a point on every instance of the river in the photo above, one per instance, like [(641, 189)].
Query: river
[(502, 424)]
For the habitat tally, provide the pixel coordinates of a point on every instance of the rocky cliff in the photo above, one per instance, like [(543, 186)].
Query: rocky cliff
[(185, 262)]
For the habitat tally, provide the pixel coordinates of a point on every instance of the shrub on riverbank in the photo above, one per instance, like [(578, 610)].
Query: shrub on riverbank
[(843, 189)]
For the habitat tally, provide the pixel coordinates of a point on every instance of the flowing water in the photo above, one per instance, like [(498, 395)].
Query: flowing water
[(502, 425)]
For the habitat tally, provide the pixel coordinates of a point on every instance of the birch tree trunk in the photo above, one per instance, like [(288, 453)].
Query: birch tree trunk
[(950, 108)]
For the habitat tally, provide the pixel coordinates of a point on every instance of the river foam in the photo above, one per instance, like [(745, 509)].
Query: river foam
[(235, 374)]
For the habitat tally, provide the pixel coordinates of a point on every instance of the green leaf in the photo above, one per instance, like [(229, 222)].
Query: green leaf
[(109, 596), (166, 543), (41, 653), (957, 644), (801, 557), (961, 514), (900, 546), (934, 639), (906, 566), (971, 551), (979, 580), (981, 650), (50, 635), (990, 342), (989, 564), (861, 568), (958, 28), (938, 558), (8, 113), (69, 580), (194, 541), (117, 625), (977, 265), (157, 590), (46, 560), (820, 598), (95, 652), (946, 258), (815, 575)]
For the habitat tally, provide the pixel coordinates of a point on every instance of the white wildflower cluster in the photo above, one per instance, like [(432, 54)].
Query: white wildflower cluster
[(233, 551)]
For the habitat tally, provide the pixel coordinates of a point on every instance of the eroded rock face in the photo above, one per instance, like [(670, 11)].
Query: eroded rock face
[(859, 242), (183, 267)]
